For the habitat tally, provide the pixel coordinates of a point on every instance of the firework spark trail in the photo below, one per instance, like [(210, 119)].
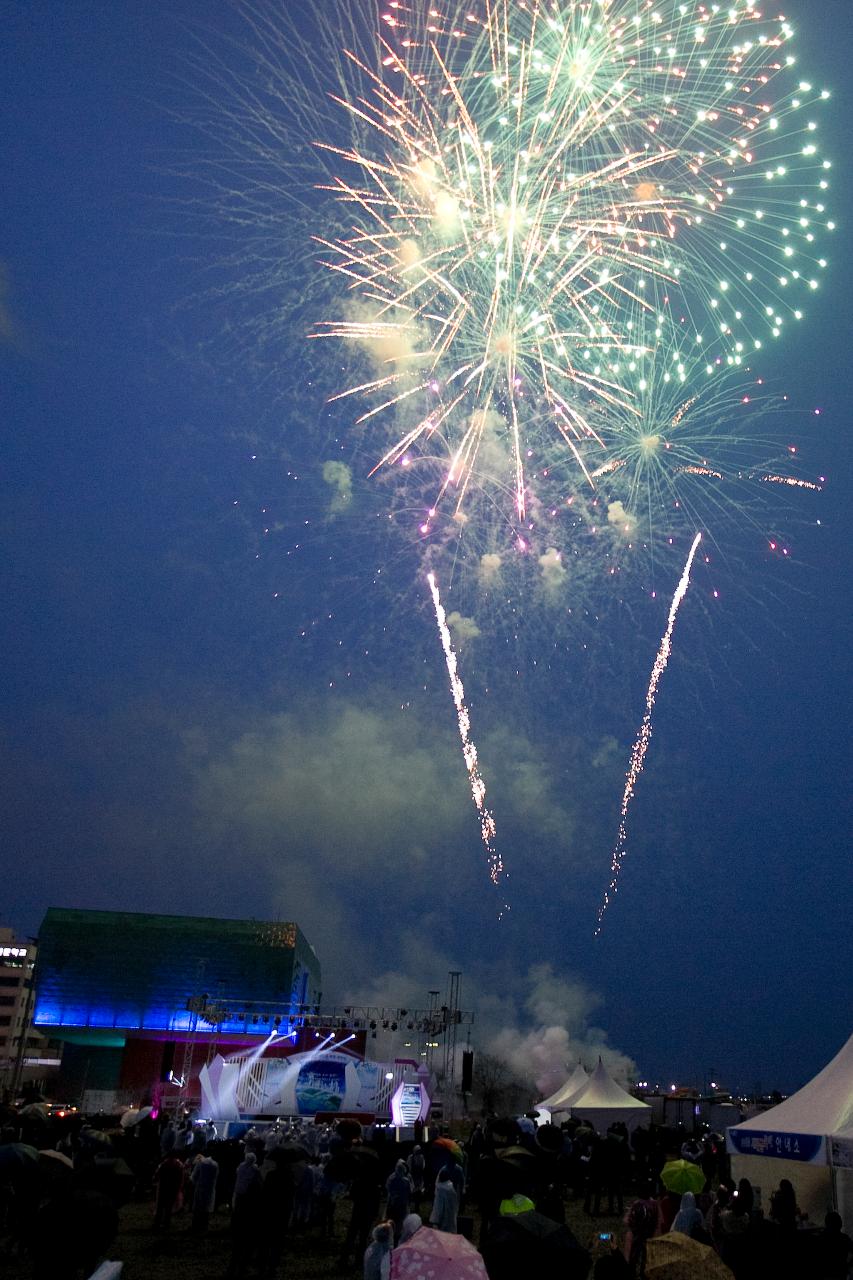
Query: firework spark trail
[(641, 745), (488, 830)]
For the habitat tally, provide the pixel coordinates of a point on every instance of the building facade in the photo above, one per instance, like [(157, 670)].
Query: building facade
[(26, 1057), (128, 994)]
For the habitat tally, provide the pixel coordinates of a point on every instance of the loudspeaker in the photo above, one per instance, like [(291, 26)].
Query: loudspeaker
[(467, 1071)]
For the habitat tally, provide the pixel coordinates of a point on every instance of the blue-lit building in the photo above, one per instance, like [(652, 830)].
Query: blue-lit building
[(115, 987)]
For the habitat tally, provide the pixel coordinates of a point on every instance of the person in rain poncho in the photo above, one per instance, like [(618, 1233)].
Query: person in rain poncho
[(417, 1168), (377, 1255), (445, 1206), (400, 1190), (641, 1221), (203, 1177), (245, 1212), (688, 1219), (411, 1223), (170, 1182)]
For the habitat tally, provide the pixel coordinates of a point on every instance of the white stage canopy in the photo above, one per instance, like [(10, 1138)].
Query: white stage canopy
[(602, 1102), (573, 1085)]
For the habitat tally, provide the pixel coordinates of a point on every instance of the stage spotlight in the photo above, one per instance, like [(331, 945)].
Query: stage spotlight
[(393, 1026), (373, 1026)]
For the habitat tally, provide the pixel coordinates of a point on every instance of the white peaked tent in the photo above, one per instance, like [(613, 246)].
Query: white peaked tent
[(808, 1139), (601, 1102), (573, 1085)]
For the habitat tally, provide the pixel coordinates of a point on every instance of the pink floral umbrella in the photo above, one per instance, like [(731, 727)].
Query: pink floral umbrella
[(437, 1255)]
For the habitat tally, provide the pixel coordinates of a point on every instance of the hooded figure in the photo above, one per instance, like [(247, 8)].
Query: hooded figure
[(377, 1255), (417, 1167), (400, 1189), (445, 1205), (203, 1177), (688, 1217), (248, 1177), (411, 1223)]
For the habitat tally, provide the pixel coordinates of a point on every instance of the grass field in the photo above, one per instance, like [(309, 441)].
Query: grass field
[(179, 1255)]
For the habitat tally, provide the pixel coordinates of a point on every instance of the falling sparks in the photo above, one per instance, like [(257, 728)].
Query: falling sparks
[(641, 745), (488, 830), (793, 482)]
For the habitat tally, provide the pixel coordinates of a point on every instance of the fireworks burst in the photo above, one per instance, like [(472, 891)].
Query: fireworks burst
[(557, 235), (488, 830), (550, 201), (641, 745)]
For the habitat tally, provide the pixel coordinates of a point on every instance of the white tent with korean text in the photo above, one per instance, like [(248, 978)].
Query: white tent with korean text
[(808, 1139)]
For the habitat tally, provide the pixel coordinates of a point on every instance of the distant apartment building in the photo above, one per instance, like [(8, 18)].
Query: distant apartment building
[(26, 1056)]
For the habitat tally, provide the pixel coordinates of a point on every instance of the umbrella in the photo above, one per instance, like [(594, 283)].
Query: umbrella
[(17, 1157), (520, 1155), (35, 1111), (59, 1156), (678, 1257), (549, 1138), (93, 1138), (133, 1115), (531, 1244), (447, 1144), (681, 1175), (438, 1254)]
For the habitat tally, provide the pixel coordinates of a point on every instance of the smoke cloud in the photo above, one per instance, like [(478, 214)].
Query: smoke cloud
[(553, 572), (462, 629), (617, 515), (338, 476), (553, 1032), (489, 569)]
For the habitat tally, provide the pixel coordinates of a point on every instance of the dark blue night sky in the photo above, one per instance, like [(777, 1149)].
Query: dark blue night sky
[(185, 728)]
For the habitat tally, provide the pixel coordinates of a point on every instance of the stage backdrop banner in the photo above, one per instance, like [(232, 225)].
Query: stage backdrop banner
[(304, 1085)]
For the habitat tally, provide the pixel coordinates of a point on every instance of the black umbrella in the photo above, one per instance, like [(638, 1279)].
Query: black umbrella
[(550, 1138), (17, 1158), (522, 1156), (531, 1244), (498, 1177)]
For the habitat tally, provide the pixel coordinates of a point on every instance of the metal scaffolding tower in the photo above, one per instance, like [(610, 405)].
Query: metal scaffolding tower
[(452, 1016)]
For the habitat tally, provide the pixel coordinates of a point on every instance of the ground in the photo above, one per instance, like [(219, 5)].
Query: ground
[(179, 1255)]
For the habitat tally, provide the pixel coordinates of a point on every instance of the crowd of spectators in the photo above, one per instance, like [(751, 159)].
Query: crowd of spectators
[(507, 1186)]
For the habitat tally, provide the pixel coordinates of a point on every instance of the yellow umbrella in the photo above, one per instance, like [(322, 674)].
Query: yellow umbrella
[(682, 1175), (678, 1257)]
